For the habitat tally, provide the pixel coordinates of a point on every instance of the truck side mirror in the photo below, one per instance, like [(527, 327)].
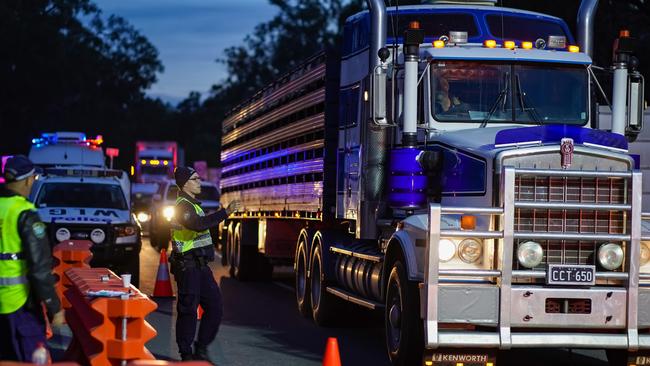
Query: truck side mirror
[(378, 82), (635, 105)]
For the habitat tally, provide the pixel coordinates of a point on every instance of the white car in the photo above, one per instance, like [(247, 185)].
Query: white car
[(91, 204)]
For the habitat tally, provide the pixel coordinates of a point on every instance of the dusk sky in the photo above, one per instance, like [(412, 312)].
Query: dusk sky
[(189, 36)]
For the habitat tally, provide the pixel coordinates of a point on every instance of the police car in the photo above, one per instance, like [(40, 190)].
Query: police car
[(86, 203)]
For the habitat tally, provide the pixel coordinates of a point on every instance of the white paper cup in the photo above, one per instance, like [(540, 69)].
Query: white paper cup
[(126, 280)]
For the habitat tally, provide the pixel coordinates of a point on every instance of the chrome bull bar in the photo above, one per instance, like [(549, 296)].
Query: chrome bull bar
[(504, 274)]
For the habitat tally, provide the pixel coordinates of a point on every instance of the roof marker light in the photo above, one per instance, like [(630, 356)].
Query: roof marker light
[(414, 25), (574, 48), (490, 43), (509, 45), (439, 44), (527, 45)]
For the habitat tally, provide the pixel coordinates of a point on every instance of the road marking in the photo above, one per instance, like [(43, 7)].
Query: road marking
[(218, 254), (284, 286)]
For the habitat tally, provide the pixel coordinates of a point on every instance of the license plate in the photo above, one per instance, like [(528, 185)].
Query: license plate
[(566, 274)]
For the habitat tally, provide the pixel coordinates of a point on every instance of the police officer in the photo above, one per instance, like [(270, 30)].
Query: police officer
[(26, 279), (192, 250)]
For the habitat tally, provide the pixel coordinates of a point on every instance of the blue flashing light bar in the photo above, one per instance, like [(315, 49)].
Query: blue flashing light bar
[(54, 138)]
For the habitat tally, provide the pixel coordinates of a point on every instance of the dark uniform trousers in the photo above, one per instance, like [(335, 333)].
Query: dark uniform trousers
[(24, 329), (196, 285)]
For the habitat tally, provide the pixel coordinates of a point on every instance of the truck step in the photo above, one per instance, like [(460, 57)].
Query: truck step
[(361, 251), (354, 298)]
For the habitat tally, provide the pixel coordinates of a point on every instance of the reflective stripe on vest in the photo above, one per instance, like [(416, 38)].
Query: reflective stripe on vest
[(14, 289), (184, 239)]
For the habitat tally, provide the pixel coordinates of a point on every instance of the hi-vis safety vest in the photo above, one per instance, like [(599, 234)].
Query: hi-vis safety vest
[(14, 287), (184, 239)]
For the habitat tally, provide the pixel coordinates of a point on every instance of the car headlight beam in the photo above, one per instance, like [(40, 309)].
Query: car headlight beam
[(530, 254), (143, 217), (610, 256), (168, 213)]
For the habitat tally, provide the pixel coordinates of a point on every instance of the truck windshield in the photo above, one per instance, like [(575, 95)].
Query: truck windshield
[(498, 92), (81, 195)]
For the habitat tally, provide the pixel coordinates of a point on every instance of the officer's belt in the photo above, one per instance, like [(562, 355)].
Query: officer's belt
[(10, 281), (11, 256)]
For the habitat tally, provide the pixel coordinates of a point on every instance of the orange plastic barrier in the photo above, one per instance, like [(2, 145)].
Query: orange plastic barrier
[(69, 254), (165, 363), (332, 357), (107, 330)]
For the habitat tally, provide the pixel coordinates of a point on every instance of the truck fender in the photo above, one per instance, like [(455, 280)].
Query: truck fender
[(401, 244), (328, 238)]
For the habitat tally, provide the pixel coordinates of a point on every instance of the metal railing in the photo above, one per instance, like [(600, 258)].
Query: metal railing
[(504, 272)]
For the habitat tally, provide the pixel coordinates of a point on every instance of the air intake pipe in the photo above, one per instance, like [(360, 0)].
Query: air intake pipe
[(585, 25)]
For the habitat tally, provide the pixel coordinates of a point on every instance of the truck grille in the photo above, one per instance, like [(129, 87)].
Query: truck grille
[(569, 190)]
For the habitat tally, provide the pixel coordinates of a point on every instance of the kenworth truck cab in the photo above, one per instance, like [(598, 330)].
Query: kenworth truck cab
[(453, 176)]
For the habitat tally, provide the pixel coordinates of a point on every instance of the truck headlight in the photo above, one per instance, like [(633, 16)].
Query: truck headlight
[(530, 254), (446, 250), (62, 234), (610, 256), (645, 253), (168, 213), (143, 217), (470, 250)]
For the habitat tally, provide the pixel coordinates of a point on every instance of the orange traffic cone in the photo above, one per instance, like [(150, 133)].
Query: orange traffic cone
[(163, 287), (331, 357), (199, 312)]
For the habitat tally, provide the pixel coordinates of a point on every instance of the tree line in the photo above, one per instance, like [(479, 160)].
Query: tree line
[(68, 66)]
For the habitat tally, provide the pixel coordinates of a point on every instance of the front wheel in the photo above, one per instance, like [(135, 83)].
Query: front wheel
[(244, 256), (404, 333)]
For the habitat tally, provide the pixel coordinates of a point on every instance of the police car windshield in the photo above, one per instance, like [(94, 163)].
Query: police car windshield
[(532, 93), (81, 195)]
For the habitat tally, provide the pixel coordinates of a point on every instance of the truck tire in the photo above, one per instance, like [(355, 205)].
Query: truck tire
[(302, 281), (244, 257), (264, 269), (324, 306), (404, 333)]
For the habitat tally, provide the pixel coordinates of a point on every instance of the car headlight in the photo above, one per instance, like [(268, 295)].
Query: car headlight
[(97, 236), (446, 250), (610, 256), (470, 250), (168, 213), (645, 253), (143, 216), (530, 254), (62, 234)]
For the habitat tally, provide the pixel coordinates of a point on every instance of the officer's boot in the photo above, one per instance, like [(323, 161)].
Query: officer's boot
[(187, 357), (201, 353)]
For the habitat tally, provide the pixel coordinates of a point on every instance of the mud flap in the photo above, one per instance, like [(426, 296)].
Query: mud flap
[(638, 358), (456, 356)]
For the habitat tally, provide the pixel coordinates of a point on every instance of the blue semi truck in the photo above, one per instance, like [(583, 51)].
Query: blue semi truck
[(447, 168)]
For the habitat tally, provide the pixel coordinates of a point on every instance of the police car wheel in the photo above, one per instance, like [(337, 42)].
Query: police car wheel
[(404, 334), (302, 282)]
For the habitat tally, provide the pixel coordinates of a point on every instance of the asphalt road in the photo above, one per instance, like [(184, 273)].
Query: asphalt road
[(262, 326)]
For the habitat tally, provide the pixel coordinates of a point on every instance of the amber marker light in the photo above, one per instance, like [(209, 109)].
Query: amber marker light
[(468, 222), (414, 25), (574, 49), (490, 43), (527, 45), (509, 45), (438, 44)]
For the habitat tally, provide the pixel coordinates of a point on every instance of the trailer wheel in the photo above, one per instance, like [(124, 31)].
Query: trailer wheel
[(302, 282), (404, 334), (243, 257), (324, 306)]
